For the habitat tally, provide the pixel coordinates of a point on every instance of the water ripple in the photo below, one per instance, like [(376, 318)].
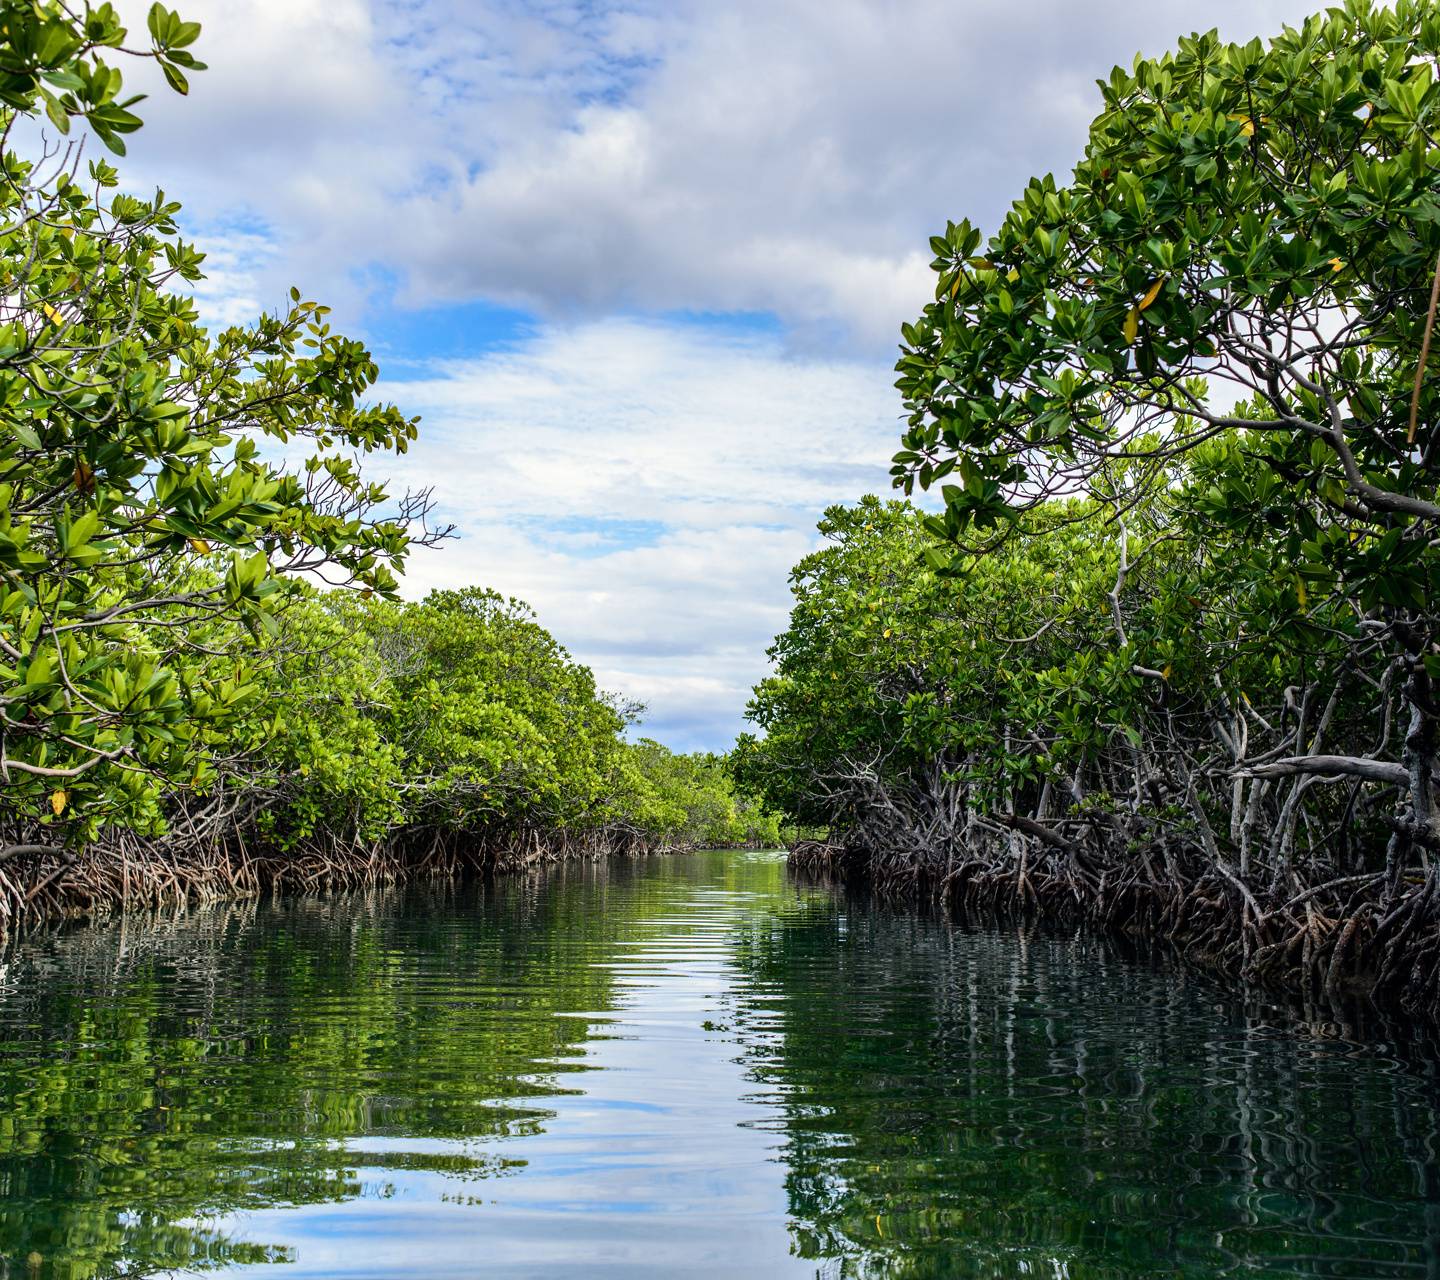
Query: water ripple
[(683, 1067)]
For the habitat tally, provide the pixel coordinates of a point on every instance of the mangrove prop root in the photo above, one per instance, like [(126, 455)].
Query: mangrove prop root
[(1339, 938), (42, 885)]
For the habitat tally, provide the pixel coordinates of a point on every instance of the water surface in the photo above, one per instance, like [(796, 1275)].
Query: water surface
[(682, 1067)]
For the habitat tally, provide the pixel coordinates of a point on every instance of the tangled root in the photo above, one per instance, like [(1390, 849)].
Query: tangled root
[(1341, 938)]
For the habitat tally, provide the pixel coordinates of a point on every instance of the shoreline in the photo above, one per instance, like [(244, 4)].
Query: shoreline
[(122, 876), (1338, 942)]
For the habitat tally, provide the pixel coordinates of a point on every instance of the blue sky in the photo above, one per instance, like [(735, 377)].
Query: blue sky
[(640, 266)]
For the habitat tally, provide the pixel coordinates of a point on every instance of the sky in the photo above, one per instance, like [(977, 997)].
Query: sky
[(639, 266)]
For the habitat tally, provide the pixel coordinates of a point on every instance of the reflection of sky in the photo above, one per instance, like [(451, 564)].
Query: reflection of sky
[(661, 1163), (900, 1095)]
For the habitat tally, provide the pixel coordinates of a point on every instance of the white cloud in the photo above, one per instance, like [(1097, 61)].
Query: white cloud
[(777, 155), (647, 489), (231, 292)]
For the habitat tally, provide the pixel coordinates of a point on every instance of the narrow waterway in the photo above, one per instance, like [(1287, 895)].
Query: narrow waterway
[(682, 1067)]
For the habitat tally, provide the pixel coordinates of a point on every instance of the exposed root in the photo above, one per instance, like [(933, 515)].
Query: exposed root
[(815, 856), (1336, 939), (122, 871)]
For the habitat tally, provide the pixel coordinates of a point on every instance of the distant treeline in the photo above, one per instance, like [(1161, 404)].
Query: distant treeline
[(367, 739), (1168, 655), (207, 680)]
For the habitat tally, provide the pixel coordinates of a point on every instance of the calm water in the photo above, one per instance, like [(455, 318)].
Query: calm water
[(683, 1067)]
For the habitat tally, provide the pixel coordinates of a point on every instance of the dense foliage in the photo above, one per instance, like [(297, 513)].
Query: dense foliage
[(1176, 617), (141, 502), (458, 717), (200, 636)]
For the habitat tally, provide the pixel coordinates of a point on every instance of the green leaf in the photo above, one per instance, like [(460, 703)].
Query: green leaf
[(174, 77)]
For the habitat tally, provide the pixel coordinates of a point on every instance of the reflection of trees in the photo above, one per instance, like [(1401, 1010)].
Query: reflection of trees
[(153, 1080), (952, 1103), (963, 1104)]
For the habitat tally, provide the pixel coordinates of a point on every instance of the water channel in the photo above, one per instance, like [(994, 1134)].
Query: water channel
[(690, 1066)]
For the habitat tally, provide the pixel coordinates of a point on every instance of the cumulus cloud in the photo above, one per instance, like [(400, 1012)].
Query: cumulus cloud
[(788, 156), (646, 488)]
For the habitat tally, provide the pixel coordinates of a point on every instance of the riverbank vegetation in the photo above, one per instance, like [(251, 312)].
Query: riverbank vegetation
[(208, 682), (1166, 656)]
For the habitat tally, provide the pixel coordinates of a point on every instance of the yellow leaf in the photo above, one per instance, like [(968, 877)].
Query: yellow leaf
[(1247, 125), (1165, 674), (888, 633), (1013, 276), (200, 546), (52, 315), (1132, 325), (1151, 294), (57, 802), (1300, 593), (1336, 264)]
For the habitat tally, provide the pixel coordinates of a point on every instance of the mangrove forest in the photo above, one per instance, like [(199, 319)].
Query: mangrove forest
[(1067, 905), (208, 682), (1165, 654)]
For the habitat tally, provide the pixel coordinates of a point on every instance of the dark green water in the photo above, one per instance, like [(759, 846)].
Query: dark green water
[(683, 1067)]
